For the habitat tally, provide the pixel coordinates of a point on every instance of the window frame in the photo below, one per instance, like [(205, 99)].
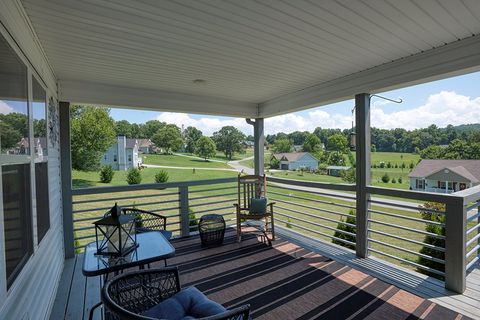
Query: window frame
[(7, 159)]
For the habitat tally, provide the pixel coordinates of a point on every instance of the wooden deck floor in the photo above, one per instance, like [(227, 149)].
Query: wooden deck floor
[(306, 277)]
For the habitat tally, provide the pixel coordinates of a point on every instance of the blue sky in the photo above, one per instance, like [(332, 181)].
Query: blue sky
[(454, 100)]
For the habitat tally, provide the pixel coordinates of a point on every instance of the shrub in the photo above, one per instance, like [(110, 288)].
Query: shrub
[(134, 176), (375, 166), (106, 174), (274, 163), (193, 221), (288, 224), (389, 164), (412, 165), (385, 178), (347, 228), (349, 175), (400, 180), (381, 165), (436, 229), (394, 180), (161, 176), (396, 166)]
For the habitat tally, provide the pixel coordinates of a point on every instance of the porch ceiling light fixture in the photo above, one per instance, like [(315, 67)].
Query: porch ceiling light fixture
[(115, 233)]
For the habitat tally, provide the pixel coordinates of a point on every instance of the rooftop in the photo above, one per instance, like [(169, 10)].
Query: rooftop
[(467, 168)]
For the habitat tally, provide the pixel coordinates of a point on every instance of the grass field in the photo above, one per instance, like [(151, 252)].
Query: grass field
[(181, 161)]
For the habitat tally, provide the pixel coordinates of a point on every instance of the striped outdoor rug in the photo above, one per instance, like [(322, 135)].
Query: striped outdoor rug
[(288, 282)]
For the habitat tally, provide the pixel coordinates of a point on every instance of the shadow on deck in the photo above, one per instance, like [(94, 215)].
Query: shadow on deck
[(297, 278)]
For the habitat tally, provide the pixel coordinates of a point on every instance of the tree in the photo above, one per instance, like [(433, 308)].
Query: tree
[(337, 142), (205, 148), (9, 137), (432, 152), (191, 135), (169, 138), (39, 128), (124, 128), (150, 128), (229, 140), (349, 225), (385, 178), (311, 143), (282, 145), (427, 214), (92, 133), (336, 159), (134, 176), (349, 175)]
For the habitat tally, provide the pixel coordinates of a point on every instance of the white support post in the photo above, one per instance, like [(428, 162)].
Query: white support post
[(455, 246), (184, 211), (363, 145)]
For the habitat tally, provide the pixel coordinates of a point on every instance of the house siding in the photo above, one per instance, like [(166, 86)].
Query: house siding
[(307, 161), (32, 294)]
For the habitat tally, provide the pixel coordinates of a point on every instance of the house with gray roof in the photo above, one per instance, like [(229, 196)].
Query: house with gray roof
[(123, 154), (445, 176), (296, 160)]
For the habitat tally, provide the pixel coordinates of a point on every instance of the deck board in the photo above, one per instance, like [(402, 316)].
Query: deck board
[(83, 293)]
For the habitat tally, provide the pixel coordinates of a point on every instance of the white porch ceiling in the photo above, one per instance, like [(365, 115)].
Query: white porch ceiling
[(259, 58)]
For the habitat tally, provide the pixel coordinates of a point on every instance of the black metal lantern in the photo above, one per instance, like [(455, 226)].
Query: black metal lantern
[(115, 233)]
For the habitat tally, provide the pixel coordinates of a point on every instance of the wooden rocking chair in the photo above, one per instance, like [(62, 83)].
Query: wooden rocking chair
[(253, 186)]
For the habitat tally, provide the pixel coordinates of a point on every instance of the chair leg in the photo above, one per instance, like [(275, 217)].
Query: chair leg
[(239, 230), (273, 228)]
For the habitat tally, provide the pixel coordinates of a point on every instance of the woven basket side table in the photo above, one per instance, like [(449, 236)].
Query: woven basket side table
[(212, 229)]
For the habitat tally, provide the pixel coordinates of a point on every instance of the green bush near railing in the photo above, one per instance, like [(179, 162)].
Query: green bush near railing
[(346, 228)]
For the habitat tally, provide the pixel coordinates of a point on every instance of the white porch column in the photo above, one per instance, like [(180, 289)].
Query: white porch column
[(363, 145), (259, 143)]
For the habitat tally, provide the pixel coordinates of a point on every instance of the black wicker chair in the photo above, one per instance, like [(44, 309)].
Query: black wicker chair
[(127, 296), (149, 221)]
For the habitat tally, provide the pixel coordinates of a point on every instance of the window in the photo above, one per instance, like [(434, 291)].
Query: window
[(130, 158), (114, 157), (420, 184), (23, 161), (17, 218)]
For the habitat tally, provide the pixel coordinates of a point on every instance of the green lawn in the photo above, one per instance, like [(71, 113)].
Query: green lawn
[(394, 158), (180, 161), (81, 179)]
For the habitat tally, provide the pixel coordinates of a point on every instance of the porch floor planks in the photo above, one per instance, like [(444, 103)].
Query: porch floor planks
[(429, 288), (77, 294)]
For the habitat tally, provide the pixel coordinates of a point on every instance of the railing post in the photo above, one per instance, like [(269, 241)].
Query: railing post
[(362, 163), (184, 214), (66, 175), (455, 246)]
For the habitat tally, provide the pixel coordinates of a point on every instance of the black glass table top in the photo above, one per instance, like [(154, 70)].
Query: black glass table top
[(152, 246)]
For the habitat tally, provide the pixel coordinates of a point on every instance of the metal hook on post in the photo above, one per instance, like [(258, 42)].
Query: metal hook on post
[(399, 100)]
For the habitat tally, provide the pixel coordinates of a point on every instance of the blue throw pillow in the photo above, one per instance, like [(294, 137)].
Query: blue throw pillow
[(187, 304), (258, 206)]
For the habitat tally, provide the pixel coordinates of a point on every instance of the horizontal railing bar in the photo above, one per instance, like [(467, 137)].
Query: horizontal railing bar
[(318, 232), (127, 205), (314, 200), (473, 217), (475, 205), (472, 263), (316, 224), (476, 237), (325, 194), (136, 205), (469, 195), (474, 249), (407, 229), (313, 208), (85, 237), (415, 195), (406, 218), (212, 196), (407, 251), (314, 216), (475, 227), (405, 206), (84, 228), (214, 209), (166, 185), (126, 198), (310, 184), (408, 262), (211, 202), (431, 246), (212, 189)]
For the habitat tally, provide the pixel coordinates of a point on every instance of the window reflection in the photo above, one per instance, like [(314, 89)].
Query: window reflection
[(13, 102), (39, 121)]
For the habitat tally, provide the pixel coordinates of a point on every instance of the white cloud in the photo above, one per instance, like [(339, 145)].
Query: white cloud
[(442, 109), (5, 108), (446, 107)]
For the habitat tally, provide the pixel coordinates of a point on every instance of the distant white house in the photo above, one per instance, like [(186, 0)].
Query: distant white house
[(296, 160), (40, 144), (146, 146), (123, 154), (445, 175)]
